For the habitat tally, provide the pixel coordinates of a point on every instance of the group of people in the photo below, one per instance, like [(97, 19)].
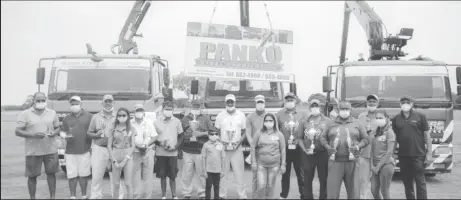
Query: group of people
[(341, 148)]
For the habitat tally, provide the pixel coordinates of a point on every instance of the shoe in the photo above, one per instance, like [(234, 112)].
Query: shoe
[(175, 197), (163, 197), (282, 198), (72, 197), (84, 197)]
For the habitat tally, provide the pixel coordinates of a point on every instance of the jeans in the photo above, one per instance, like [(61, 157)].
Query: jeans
[(382, 181), (412, 168), (143, 176), (212, 180), (192, 165), (99, 162), (362, 178), (293, 157), (318, 160), (234, 159), (339, 172), (120, 154), (266, 181)]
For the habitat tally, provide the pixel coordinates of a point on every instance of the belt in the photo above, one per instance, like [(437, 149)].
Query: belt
[(105, 146)]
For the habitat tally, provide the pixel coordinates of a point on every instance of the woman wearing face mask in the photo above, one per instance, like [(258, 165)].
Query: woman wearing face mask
[(382, 148), (268, 156), (121, 146)]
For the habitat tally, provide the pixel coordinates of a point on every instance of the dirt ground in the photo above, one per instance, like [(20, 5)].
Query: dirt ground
[(14, 184)]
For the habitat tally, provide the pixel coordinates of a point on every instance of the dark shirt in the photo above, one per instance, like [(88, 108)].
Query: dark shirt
[(319, 127), (77, 125), (205, 125), (409, 133), (283, 117)]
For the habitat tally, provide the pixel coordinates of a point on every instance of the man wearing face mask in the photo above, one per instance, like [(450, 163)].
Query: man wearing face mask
[(289, 121), (78, 157), (343, 138), (99, 131), (363, 170), (143, 156), (39, 125), (316, 157), (195, 135), (415, 147), (232, 124)]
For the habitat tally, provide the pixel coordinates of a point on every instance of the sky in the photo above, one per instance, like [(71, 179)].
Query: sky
[(33, 30)]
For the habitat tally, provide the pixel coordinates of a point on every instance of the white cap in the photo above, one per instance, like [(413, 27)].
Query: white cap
[(230, 97), (75, 98)]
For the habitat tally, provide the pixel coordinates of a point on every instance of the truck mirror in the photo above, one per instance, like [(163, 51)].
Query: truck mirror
[(166, 76), (194, 87), (293, 88), (167, 94), (458, 75), (327, 84), (459, 90), (40, 76)]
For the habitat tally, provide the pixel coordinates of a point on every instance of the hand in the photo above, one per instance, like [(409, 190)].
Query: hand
[(39, 135), (222, 174), (428, 157), (254, 167), (123, 163), (99, 133), (116, 164), (69, 138), (375, 170), (283, 169), (205, 175), (331, 150), (354, 149)]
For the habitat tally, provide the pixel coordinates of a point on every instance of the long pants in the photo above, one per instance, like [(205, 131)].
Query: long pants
[(212, 180), (293, 157), (362, 178), (318, 160), (254, 185), (99, 162), (382, 181), (266, 181), (120, 154), (339, 172), (412, 168), (235, 160), (192, 165), (143, 176)]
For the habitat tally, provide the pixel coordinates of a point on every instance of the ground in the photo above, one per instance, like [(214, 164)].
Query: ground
[(14, 184)]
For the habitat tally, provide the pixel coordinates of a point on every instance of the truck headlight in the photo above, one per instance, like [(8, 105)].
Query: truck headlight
[(436, 127), (213, 117)]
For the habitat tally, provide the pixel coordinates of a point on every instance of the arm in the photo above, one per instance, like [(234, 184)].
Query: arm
[(324, 140), (21, 125), (390, 149), (109, 145), (153, 133), (204, 158), (57, 128), (248, 131), (282, 149), (223, 157), (180, 136), (363, 136), (131, 150), (427, 135), (92, 132), (185, 122), (300, 135), (253, 147)]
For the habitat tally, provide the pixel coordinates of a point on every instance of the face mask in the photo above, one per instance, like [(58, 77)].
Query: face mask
[(122, 119), (195, 112), (269, 125), (167, 113), (40, 105), (230, 109), (344, 114), (315, 111), (260, 106), (406, 107), (380, 122), (372, 108), (333, 114), (290, 105), (108, 109), (75, 108), (139, 115), (213, 137)]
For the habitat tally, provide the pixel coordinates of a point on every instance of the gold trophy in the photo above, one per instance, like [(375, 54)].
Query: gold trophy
[(349, 144), (194, 126), (230, 135), (310, 134), (103, 127), (291, 125), (335, 144)]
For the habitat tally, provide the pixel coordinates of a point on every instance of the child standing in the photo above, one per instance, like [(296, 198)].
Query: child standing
[(213, 161)]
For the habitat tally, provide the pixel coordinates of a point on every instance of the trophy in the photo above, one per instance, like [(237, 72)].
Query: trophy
[(368, 127), (194, 125), (48, 132), (291, 125), (145, 139), (349, 144), (310, 134), (69, 134), (103, 127), (335, 144), (230, 135)]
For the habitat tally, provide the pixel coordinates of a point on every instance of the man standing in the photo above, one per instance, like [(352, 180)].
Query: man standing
[(289, 120), (254, 124), (99, 130), (39, 125), (363, 171), (78, 158), (414, 147), (169, 139), (143, 156), (196, 127), (232, 123)]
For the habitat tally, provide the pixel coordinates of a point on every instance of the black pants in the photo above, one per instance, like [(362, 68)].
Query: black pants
[(412, 168), (212, 180), (293, 157), (318, 160)]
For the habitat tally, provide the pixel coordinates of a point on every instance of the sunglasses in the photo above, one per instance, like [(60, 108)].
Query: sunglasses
[(212, 133), (122, 115), (269, 120), (40, 101), (405, 102)]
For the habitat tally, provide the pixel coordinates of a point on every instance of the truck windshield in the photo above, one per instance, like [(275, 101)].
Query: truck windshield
[(217, 89)]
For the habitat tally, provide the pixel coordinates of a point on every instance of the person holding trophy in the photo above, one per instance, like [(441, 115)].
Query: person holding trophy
[(313, 153), (232, 123), (343, 138), (289, 119)]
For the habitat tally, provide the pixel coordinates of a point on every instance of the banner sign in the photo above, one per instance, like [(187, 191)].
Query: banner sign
[(235, 52), (107, 62)]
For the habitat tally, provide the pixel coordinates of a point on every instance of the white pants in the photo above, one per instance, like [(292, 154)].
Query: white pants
[(143, 174), (99, 162), (234, 159), (192, 167)]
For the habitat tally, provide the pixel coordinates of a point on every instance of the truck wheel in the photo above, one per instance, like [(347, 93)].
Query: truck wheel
[(430, 174), (64, 169)]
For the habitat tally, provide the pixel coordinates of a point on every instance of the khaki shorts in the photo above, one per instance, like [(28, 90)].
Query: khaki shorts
[(78, 165), (34, 164)]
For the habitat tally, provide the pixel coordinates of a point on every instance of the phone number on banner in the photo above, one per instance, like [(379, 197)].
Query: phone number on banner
[(259, 76)]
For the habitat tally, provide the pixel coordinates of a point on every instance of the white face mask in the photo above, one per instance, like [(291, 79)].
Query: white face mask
[(380, 122), (344, 114), (122, 119), (195, 112), (315, 111), (139, 115), (41, 105), (406, 107), (75, 108), (230, 109), (213, 137), (269, 125), (108, 109), (290, 105), (167, 113), (260, 106), (333, 114), (372, 108)]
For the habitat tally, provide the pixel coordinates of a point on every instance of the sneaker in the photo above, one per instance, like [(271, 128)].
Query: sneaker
[(84, 197), (175, 197), (282, 198), (72, 197), (163, 197)]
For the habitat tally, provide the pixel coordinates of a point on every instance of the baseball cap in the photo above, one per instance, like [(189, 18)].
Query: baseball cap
[(259, 98), (290, 94), (75, 98), (138, 106), (316, 101), (168, 104), (373, 96), (196, 103), (406, 97), (344, 105), (108, 97), (230, 97)]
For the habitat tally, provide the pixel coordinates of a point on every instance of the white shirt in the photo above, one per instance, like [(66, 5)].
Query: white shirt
[(145, 131), (230, 125)]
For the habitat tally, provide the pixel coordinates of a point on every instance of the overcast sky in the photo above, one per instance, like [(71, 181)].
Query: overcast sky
[(32, 30)]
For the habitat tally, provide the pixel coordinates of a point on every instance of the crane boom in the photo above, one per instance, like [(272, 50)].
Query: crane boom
[(244, 13)]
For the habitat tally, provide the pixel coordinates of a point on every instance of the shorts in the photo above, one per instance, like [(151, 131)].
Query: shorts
[(166, 166), (34, 164), (78, 165)]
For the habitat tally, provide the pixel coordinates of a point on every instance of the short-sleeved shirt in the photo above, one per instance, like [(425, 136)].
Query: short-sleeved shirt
[(214, 156), (268, 148), (100, 121), (145, 131), (283, 117), (379, 145), (231, 125), (255, 122), (32, 121), (409, 133), (168, 131), (77, 125), (367, 120), (204, 125), (318, 127), (122, 138)]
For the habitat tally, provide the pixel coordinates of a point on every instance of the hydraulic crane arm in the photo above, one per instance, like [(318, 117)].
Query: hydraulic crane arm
[(125, 40), (244, 13)]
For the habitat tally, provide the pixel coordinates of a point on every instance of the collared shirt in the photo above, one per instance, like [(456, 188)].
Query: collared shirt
[(34, 122), (380, 144), (122, 138), (168, 132), (409, 133), (213, 153), (204, 125), (77, 125), (254, 122), (100, 121), (231, 125), (145, 132), (268, 148), (367, 120), (318, 127), (283, 118)]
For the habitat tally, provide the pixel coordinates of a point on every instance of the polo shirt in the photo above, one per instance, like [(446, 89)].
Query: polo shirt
[(168, 131), (122, 138), (319, 127), (106, 123), (32, 122), (366, 119), (409, 133), (145, 132), (283, 117), (268, 148), (204, 125), (228, 123), (77, 125), (254, 123), (380, 144), (213, 153)]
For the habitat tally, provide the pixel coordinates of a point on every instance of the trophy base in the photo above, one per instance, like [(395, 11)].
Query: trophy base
[(333, 157), (310, 151), (351, 157), (229, 148), (193, 139), (292, 146)]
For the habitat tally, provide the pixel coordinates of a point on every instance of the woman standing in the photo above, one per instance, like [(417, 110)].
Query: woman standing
[(121, 146), (268, 156), (382, 148)]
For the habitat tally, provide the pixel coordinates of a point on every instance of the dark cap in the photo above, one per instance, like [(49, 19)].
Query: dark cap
[(406, 97), (373, 96), (167, 104), (196, 102), (290, 94), (344, 105)]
